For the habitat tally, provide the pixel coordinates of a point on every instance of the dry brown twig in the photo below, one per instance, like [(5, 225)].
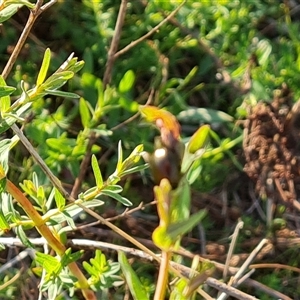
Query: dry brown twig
[(148, 34), (114, 43), (34, 14), (84, 165), (185, 271), (106, 80)]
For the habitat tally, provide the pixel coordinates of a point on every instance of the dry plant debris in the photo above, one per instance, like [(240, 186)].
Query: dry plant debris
[(271, 148)]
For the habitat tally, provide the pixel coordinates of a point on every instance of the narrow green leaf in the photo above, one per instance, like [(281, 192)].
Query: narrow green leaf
[(2, 184), (57, 80), (120, 157), (44, 68), (97, 172), (41, 195), (59, 199), (135, 169), (74, 210), (4, 158), (180, 228), (27, 3), (8, 11), (5, 91), (4, 225), (22, 236), (114, 188), (136, 288), (48, 262), (196, 115), (91, 193), (117, 197), (62, 144), (84, 113), (62, 94), (89, 269), (70, 257)]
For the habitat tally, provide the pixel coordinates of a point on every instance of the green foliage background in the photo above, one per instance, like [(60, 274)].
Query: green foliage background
[(183, 63)]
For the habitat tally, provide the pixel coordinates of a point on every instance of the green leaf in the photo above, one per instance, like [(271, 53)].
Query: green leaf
[(23, 2), (178, 289), (97, 172), (9, 11), (10, 119), (61, 145), (44, 68), (5, 91), (2, 184), (70, 257), (114, 188), (91, 193), (5, 146), (127, 81), (74, 210), (264, 49), (161, 239), (41, 195), (203, 115), (117, 197), (57, 80), (84, 113), (136, 288), (4, 225), (199, 139), (59, 199), (181, 201), (22, 236), (194, 171), (48, 262), (129, 104), (180, 228), (120, 157), (135, 169), (62, 94)]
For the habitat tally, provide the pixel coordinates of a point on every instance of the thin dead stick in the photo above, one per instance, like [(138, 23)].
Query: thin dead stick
[(34, 13), (149, 101), (84, 165), (239, 226), (114, 43), (251, 257), (54, 180), (275, 266), (10, 241), (148, 34), (259, 286), (12, 280), (229, 290), (204, 294), (246, 276), (234, 280), (17, 259)]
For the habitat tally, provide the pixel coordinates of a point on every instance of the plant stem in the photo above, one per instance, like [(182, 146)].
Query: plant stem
[(34, 13), (148, 34), (162, 280), (114, 43), (45, 231)]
